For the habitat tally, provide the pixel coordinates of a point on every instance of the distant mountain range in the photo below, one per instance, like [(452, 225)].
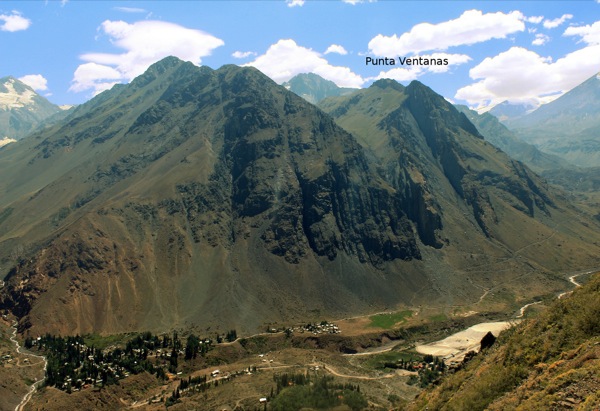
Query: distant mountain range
[(568, 127), (541, 138), (314, 88), (507, 112), (21, 110), (217, 198), (500, 136)]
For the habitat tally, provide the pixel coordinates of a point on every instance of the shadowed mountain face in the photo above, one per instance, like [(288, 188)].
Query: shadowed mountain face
[(217, 198), (21, 109), (468, 196), (415, 128)]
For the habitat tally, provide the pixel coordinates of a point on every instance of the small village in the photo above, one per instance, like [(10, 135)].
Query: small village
[(324, 327), (73, 365)]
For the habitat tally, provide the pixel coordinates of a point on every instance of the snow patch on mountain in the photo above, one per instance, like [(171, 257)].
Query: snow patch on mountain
[(6, 141), (14, 99)]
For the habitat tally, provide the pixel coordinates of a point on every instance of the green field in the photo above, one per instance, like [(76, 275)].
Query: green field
[(377, 361), (387, 321), (101, 342), (438, 317)]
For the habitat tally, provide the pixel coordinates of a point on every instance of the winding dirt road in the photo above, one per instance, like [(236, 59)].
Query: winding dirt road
[(575, 283), (364, 377), (37, 383), (20, 350)]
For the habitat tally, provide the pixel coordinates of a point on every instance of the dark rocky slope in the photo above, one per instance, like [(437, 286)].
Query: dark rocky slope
[(216, 198)]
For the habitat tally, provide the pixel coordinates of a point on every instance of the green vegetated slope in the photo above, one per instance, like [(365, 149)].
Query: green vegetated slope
[(549, 362), (217, 198)]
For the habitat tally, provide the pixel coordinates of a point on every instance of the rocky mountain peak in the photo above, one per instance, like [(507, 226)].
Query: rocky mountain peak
[(433, 111), (21, 109), (385, 83), (14, 94), (314, 88)]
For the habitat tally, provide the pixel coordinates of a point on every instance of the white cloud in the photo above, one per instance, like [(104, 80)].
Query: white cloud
[(130, 9), (295, 3), (144, 43), (14, 22), (242, 54), (335, 48), (35, 81), (96, 77), (401, 73), (412, 72), (285, 59), (551, 24), (534, 19), (519, 74), (540, 40), (471, 27), (589, 34)]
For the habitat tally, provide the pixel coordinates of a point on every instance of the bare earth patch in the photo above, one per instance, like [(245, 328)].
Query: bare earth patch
[(457, 345)]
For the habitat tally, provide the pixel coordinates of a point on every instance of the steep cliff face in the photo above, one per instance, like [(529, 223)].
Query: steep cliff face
[(425, 143), (196, 177)]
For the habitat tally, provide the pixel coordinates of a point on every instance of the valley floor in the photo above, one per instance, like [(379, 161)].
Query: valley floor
[(240, 373)]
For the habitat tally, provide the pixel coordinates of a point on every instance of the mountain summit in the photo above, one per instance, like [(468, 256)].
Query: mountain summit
[(314, 88), (217, 198)]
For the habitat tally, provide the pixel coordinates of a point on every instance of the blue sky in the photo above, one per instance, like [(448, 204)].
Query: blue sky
[(521, 51)]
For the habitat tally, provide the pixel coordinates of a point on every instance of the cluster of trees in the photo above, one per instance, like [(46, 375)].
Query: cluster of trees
[(71, 363), (195, 383), (430, 372), (201, 384), (296, 391)]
